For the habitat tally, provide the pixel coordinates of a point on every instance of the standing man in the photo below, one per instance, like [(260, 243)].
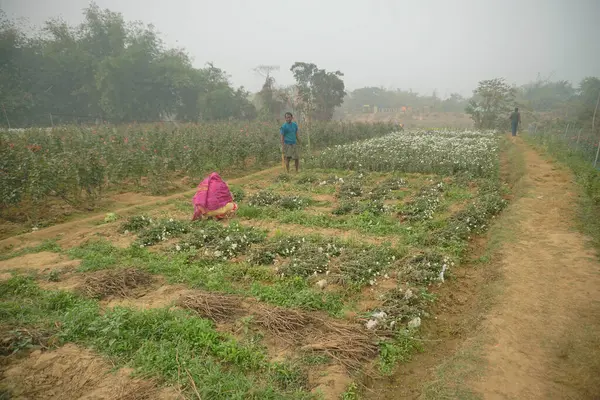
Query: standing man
[(290, 141), (515, 120)]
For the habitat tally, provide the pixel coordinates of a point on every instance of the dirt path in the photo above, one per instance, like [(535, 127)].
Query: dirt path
[(545, 328), (72, 372)]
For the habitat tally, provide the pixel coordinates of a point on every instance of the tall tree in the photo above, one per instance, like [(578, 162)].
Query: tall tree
[(270, 105), (107, 69), (588, 91), (491, 103), (319, 91)]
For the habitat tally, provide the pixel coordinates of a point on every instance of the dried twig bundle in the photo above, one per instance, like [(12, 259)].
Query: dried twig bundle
[(213, 306), (115, 282)]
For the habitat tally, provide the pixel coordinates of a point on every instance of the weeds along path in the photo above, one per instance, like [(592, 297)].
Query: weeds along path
[(79, 227), (544, 330)]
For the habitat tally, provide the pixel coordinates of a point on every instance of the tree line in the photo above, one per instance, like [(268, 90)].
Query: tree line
[(494, 99), (106, 69)]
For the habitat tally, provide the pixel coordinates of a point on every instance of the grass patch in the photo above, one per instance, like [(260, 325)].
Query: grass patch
[(398, 350), (46, 245), (586, 176), (156, 342)]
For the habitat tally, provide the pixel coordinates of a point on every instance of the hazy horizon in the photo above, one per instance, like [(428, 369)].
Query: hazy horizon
[(432, 45)]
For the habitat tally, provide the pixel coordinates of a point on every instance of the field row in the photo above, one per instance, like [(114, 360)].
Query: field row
[(78, 164)]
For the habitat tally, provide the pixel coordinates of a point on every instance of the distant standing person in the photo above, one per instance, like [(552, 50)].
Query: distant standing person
[(290, 141), (515, 120)]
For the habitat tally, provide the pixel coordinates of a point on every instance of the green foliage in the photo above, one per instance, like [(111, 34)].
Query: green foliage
[(296, 292), (264, 198), (220, 241), (77, 165), (400, 349), (293, 202), (351, 392), (364, 266), (289, 376), (351, 188), (108, 69), (54, 276), (424, 205), (135, 223), (95, 255), (545, 96), (46, 245), (355, 102), (321, 91), (162, 230), (110, 217), (309, 259), (237, 193), (269, 198), (491, 103), (443, 152), (156, 342)]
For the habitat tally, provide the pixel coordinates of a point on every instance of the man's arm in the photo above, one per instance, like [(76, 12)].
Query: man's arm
[(297, 134)]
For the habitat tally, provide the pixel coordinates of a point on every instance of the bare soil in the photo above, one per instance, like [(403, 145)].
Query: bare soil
[(41, 262), (546, 327), (71, 372)]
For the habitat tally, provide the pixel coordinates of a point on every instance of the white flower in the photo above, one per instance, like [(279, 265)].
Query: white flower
[(371, 324), (380, 315)]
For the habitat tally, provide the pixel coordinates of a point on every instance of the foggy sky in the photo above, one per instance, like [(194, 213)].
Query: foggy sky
[(448, 45)]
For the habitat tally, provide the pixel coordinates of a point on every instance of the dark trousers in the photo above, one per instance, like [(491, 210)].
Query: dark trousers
[(514, 126)]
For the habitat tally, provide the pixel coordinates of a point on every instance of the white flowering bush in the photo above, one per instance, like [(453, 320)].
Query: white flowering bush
[(263, 198), (425, 268), (365, 266), (293, 202), (441, 152), (162, 230), (425, 204), (268, 198), (135, 223), (374, 207), (310, 259), (214, 240), (384, 190)]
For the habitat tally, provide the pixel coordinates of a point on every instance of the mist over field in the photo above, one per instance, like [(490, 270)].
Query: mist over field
[(308, 200), (424, 46)]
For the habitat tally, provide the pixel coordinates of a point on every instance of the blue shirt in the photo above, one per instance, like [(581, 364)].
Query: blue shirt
[(289, 132)]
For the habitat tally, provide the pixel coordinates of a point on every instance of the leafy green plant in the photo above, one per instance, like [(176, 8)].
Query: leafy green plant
[(293, 202), (135, 223), (54, 276), (399, 349), (351, 392), (263, 198), (237, 193), (220, 241)]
